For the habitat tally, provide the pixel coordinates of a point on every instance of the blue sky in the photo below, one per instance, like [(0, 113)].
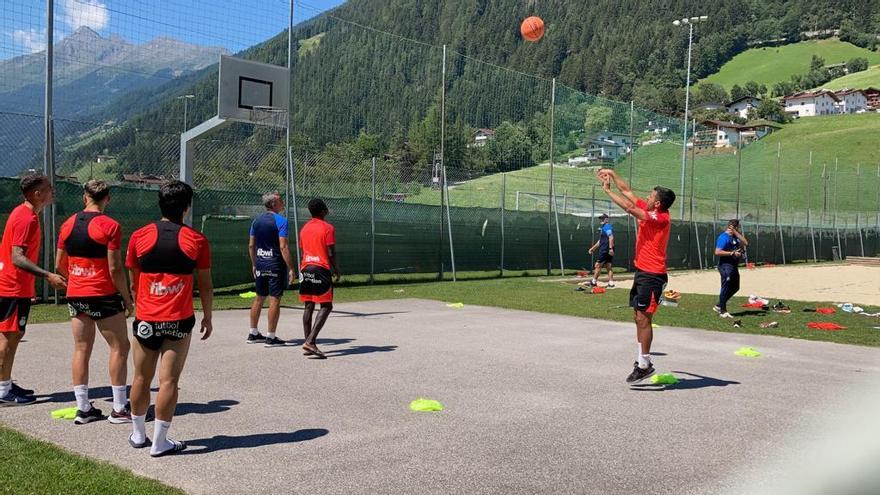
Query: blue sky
[(233, 24)]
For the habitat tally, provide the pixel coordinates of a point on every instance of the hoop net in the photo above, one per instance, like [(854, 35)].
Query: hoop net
[(274, 119)]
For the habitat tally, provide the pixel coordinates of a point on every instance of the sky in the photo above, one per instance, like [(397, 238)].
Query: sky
[(233, 24)]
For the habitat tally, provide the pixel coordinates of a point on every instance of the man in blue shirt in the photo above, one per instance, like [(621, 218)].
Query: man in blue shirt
[(605, 248), (730, 249), (272, 268)]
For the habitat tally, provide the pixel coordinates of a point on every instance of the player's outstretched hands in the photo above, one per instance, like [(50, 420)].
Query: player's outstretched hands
[(336, 275), (207, 328), (56, 280)]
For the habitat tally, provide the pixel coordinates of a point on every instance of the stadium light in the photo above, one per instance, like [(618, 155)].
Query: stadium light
[(185, 99), (687, 97)]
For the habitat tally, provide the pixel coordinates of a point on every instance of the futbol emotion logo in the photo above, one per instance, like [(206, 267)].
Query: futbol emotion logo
[(22, 322), (144, 330)]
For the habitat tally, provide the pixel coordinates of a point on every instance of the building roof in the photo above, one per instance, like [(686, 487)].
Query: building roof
[(143, 178), (722, 123), (761, 123), (844, 92), (811, 94), (743, 98), (486, 131)]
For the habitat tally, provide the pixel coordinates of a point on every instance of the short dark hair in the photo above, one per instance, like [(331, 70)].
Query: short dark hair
[(32, 182), (174, 198), (96, 189), (317, 207), (734, 222), (665, 196)]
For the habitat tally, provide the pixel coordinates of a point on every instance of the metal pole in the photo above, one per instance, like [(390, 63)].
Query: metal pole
[(812, 234), (781, 242), (445, 191), (632, 141), (442, 164), (550, 196), (836, 168), (49, 149), (449, 226), (503, 196), (517, 201), (564, 201), (739, 161), (859, 228), (292, 205), (778, 156), (697, 237), (687, 99), (373, 223), (693, 167)]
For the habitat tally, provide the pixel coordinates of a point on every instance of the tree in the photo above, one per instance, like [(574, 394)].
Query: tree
[(817, 63), (770, 109), (510, 150), (598, 119), (752, 89), (737, 92), (857, 64), (710, 93)]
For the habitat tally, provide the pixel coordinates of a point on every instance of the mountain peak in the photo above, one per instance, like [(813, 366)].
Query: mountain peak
[(85, 33)]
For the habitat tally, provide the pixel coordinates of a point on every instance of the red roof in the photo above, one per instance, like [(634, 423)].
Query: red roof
[(812, 94)]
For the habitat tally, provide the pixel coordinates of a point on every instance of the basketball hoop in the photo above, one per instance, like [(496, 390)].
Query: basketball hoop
[(268, 116)]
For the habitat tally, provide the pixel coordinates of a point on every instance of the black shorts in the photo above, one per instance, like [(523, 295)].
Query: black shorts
[(14, 313), (604, 258), (96, 308), (316, 285), (271, 282), (647, 290), (151, 334)]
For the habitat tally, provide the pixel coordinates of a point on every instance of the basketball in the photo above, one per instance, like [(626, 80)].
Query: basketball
[(532, 28)]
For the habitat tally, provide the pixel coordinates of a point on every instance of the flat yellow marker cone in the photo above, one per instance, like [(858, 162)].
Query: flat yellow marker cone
[(64, 413), (748, 352), (425, 405), (455, 305), (664, 379), (654, 325), (247, 295)]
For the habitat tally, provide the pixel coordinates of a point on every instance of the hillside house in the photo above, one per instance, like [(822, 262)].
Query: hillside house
[(872, 95), (717, 134), (811, 103), (483, 136), (616, 137), (851, 101), (605, 151), (753, 131), (710, 107), (741, 106), (143, 179)]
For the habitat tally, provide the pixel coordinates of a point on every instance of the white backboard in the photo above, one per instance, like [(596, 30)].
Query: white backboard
[(245, 84)]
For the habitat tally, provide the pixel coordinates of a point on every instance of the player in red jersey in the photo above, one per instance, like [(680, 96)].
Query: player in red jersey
[(318, 242), (19, 251), (89, 254), (162, 257), (650, 278)]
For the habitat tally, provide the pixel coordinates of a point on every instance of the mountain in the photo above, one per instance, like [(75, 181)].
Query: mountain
[(349, 77), (90, 73)]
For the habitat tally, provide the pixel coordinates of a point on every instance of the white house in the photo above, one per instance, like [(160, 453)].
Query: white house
[(483, 136), (719, 134), (616, 137), (811, 103), (606, 151), (742, 106), (851, 101)]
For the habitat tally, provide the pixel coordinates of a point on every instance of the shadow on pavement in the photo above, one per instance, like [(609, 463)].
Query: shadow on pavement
[(360, 349), (94, 394), (224, 442), (698, 381), (300, 342), (212, 407)]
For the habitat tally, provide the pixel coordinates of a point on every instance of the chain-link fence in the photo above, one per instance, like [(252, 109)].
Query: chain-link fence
[(433, 162)]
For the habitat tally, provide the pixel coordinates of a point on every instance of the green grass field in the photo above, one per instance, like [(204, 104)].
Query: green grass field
[(860, 80), (774, 64), (850, 137), (32, 466)]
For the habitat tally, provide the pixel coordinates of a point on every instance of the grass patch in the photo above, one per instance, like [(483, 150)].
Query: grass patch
[(34, 466), (769, 65), (860, 80), (531, 294)]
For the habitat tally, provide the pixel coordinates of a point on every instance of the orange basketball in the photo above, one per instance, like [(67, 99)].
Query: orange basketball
[(532, 28)]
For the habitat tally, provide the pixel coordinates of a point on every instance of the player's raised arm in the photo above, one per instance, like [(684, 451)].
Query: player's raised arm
[(624, 202), (621, 184)]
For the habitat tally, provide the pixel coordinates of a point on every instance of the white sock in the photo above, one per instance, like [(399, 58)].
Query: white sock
[(644, 360), (594, 281), (270, 335), (5, 387), (160, 437), (255, 332), (139, 428), (81, 392), (120, 397)]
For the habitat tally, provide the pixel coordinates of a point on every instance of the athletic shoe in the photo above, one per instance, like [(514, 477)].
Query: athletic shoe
[(781, 307), (175, 447), (611, 285), (312, 350), (93, 414), (121, 417), (21, 391), (274, 342), (726, 315), (253, 339), (716, 309), (639, 374), (13, 399), (145, 443), (594, 283)]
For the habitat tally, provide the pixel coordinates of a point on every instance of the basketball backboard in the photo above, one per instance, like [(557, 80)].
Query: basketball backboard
[(245, 85)]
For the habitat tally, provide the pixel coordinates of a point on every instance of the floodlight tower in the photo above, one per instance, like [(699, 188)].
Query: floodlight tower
[(687, 21)]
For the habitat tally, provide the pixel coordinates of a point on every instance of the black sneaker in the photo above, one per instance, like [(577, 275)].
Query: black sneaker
[(13, 399), (274, 342), (21, 391), (639, 374), (121, 417), (253, 339), (93, 414)]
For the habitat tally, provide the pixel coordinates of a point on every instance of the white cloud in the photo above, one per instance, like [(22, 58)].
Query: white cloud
[(90, 13), (31, 40)]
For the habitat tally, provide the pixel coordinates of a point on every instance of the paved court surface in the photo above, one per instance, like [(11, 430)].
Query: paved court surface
[(535, 404)]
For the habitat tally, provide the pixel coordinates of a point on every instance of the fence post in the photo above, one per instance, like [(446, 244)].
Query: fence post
[(738, 175), (781, 242), (697, 237), (550, 195), (503, 196), (449, 226), (812, 234), (859, 228), (443, 198), (564, 201), (516, 207), (292, 206), (373, 223), (593, 224)]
